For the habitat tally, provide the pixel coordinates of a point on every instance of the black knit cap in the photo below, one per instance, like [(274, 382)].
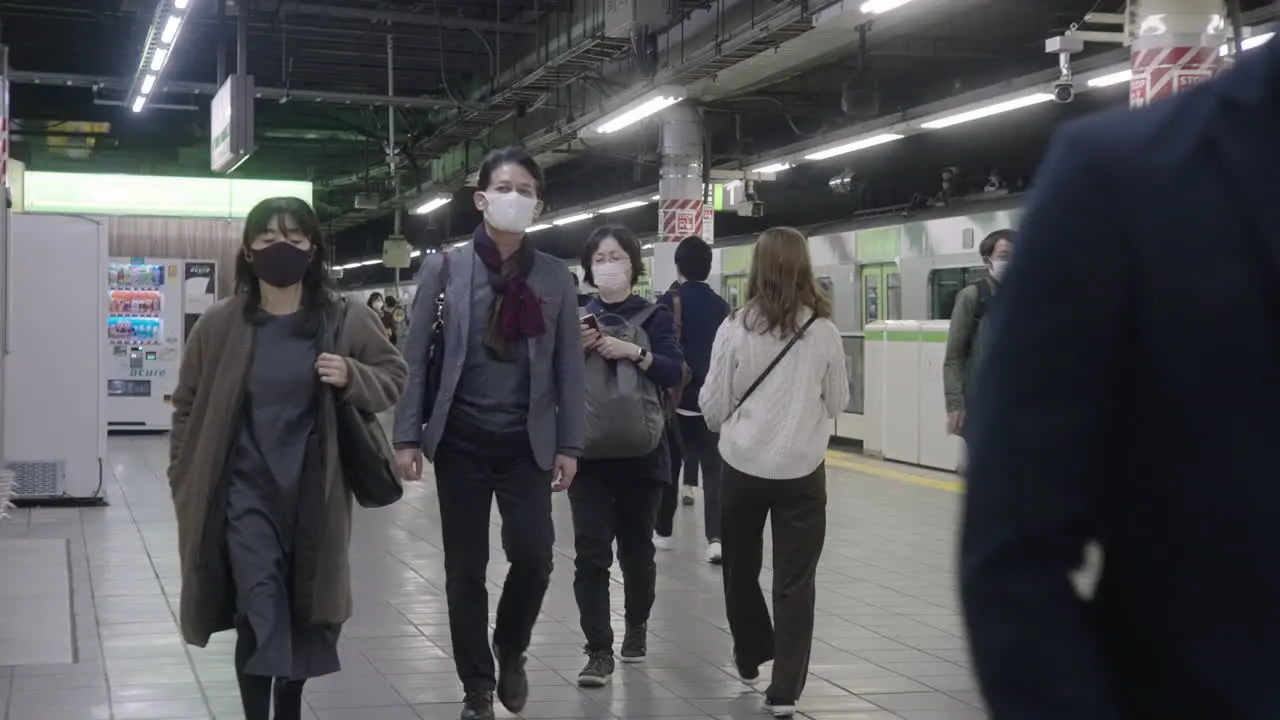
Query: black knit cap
[(693, 258)]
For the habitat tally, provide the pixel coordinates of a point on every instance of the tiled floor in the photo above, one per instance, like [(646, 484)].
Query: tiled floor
[(888, 638)]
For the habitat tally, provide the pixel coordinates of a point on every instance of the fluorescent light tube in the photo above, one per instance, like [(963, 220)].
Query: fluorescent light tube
[(432, 204), (170, 31), (875, 7), (1114, 78), (774, 167), (1248, 43), (655, 198), (139, 102), (536, 228), (180, 4), (623, 206), (415, 253), (988, 111), (640, 109), (573, 218), (148, 83), (157, 60), (854, 146)]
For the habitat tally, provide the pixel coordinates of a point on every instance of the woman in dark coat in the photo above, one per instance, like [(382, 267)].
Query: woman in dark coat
[(263, 510)]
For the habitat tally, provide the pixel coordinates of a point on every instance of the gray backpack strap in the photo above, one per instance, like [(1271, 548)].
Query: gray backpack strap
[(640, 318)]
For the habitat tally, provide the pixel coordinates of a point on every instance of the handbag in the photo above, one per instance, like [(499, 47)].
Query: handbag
[(777, 359), (367, 460), (435, 351)]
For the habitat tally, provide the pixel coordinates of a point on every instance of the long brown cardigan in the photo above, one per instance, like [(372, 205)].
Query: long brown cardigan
[(207, 405)]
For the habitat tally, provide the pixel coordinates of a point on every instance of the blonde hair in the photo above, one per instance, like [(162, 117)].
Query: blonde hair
[(782, 283)]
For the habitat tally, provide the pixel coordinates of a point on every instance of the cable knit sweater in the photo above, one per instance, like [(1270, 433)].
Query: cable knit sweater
[(782, 431)]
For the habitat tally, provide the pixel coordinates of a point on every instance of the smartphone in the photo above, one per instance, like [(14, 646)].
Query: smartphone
[(590, 321)]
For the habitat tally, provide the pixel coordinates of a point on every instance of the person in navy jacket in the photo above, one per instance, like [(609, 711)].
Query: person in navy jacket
[(1128, 397), (699, 312), (617, 499)]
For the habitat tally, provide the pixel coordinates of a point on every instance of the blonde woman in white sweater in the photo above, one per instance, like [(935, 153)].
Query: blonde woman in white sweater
[(776, 381)]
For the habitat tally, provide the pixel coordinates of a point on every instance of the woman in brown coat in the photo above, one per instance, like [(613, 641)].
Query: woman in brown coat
[(264, 514)]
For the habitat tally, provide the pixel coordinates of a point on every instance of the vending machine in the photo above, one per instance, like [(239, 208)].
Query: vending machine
[(152, 305)]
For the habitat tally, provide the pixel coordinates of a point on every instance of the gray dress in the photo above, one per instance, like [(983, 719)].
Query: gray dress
[(273, 466)]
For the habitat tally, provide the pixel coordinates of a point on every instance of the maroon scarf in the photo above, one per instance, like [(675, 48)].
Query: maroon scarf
[(516, 312)]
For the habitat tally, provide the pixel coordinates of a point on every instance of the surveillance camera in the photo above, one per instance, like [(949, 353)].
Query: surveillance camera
[(1064, 91)]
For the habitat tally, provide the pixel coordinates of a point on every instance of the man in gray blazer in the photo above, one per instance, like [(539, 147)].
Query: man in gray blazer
[(506, 420)]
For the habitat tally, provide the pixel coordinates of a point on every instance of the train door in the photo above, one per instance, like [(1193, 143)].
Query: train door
[(881, 285), (735, 289)]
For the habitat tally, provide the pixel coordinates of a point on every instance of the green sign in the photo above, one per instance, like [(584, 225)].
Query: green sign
[(89, 194)]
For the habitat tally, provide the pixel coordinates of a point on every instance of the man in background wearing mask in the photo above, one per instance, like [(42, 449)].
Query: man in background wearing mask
[(964, 341)]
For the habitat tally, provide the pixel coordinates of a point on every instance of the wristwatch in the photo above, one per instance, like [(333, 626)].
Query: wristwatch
[(641, 355)]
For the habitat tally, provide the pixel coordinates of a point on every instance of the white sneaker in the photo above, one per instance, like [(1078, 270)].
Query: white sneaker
[(686, 495), (714, 553), (663, 543)]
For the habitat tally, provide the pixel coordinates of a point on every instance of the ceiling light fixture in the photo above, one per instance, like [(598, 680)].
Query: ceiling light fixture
[(876, 7), (573, 218), (166, 25), (987, 111), (622, 206), (854, 146), (536, 228), (641, 108), (774, 167), (433, 204), (1248, 43), (1115, 78)]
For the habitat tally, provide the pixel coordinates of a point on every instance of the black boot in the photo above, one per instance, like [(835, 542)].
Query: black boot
[(255, 690), (478, 706), (288, 699)]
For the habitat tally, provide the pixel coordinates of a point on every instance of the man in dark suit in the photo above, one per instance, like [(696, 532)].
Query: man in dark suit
[(1130, 396)]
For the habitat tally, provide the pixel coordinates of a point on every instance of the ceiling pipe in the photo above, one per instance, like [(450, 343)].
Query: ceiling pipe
[(209, 89), (307, 9)]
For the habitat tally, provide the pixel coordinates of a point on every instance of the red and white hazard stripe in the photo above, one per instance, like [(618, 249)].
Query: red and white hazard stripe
[(670, 214), (1161, 72)]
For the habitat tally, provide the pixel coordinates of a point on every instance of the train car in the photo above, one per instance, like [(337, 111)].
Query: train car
[(882, 269)]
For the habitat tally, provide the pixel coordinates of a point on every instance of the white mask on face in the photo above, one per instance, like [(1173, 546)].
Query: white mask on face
[(612, 279), (509, 212), (998, 268), (377, 305)]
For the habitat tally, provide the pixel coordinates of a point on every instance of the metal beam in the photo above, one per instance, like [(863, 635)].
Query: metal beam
[(303, 9), (262, 93)]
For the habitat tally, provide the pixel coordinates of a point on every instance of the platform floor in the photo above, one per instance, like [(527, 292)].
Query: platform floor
[(888, 641)]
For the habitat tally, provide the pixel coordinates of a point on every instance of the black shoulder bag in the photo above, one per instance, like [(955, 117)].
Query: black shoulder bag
[(435, 352), (363, 451), (781, 354)]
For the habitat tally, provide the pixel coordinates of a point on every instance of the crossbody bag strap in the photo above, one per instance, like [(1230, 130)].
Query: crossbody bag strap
[(783, 353)]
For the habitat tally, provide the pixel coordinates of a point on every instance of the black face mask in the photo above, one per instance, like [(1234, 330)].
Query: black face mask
[(280, 264)]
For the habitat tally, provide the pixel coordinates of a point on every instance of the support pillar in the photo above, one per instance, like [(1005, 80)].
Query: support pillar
[(1176, 46), (680, 190)]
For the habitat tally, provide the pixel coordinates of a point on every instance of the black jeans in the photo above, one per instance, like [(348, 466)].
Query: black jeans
[(798, 511), (611, 504), (471, 469), (698, 447)]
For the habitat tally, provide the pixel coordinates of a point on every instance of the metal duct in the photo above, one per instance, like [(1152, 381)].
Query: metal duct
[(682, 145)]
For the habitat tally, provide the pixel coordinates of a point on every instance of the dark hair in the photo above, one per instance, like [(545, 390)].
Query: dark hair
[(390, 302), (316, 295), (988, 245), (511, 156), (576, 281), (373, 297), (693, 258), (627, 240)]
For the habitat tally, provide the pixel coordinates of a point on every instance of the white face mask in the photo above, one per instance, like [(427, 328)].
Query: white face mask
[(377, 305), (613, 279), (998, 268), (509, 212)]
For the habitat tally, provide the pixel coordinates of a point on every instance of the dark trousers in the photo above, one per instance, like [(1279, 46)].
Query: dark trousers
[(471, 470), (798, 511), (610, 504), (698, 448)]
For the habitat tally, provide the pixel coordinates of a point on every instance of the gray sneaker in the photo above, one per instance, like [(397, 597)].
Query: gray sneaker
[(599, 669)]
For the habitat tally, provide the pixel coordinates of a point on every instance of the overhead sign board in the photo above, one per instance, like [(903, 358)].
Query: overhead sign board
[(231, 129)]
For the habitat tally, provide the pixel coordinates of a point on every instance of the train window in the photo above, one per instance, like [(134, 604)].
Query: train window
[(871, 293), (893, 296), (828, 287), (945, 284)]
